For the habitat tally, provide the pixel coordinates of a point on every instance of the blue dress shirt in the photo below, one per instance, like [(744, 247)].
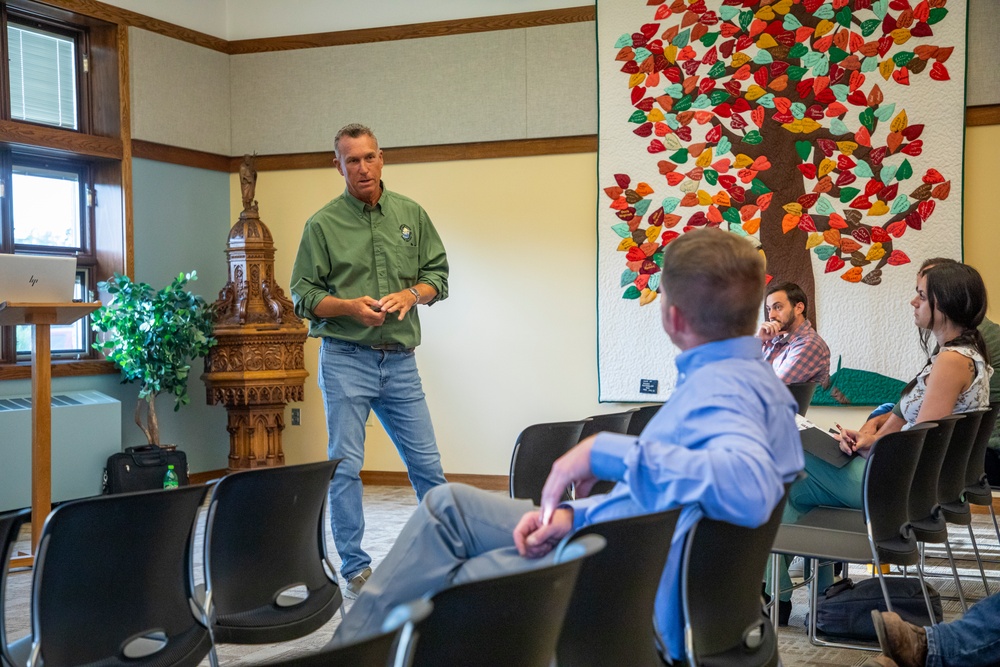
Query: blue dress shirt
[(722, 446)]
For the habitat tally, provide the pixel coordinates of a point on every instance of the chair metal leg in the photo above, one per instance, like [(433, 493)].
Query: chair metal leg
[(995, 526), (954, 573), (775, 588), (923, 585), (975, 548)]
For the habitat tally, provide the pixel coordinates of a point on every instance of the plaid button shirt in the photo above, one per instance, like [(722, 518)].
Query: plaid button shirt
[(799, 356)]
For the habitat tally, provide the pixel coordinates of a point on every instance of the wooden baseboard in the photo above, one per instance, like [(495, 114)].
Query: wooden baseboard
[(981, 509), (206, 476), (392, 478)]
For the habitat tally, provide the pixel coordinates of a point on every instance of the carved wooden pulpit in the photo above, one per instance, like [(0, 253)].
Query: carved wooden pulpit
[(257, 366)]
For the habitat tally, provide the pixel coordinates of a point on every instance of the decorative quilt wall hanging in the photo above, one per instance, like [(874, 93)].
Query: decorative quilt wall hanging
[(829, 133)]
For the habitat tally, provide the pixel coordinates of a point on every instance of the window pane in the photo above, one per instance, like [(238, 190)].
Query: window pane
[(46, 206), (64, 338), (42, 76)]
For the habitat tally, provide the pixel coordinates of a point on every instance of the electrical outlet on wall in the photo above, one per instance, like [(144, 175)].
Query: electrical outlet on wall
[(296, 414)]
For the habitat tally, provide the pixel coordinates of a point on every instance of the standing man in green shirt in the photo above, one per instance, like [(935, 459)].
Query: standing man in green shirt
[(366, 260)]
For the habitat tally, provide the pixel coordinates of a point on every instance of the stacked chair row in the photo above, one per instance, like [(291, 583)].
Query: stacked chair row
[(609, 620), (916, 482), (114, 580)]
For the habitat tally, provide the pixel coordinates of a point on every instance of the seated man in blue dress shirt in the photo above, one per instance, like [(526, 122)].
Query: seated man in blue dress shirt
[(722, 446)]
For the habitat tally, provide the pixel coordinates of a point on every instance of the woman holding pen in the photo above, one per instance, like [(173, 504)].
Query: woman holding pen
[(950, 303)]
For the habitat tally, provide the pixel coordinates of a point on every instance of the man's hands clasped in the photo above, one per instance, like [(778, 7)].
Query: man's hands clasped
[(539, 531), (372, 312)]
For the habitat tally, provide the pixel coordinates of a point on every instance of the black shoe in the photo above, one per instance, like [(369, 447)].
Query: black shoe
[(784, 612), (784, 607)]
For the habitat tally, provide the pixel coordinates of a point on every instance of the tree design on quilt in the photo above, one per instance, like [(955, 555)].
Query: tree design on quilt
[(771, 122)]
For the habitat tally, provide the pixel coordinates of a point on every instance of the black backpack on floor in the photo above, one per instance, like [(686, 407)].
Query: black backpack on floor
[(844, 610)]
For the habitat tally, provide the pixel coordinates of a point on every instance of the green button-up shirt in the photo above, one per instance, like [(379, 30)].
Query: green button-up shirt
[(350, 249)]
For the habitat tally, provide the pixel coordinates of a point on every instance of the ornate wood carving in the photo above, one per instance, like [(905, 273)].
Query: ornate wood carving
[(258, 365)]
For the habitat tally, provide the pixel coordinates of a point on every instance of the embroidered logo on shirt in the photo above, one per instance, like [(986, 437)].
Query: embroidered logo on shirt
[(405, 232)]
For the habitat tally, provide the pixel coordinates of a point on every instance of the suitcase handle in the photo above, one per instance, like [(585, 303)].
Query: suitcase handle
[(146, 456)]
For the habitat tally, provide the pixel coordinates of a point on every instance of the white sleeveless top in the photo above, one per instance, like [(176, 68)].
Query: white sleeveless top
[(976, 397)]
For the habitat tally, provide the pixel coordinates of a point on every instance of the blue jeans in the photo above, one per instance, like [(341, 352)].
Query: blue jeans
[(971, 641), (355, 380)]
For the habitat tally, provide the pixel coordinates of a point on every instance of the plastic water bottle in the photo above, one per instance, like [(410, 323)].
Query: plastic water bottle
[(170, 480)]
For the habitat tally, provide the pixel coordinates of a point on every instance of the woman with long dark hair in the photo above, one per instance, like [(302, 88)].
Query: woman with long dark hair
[(950, 303)]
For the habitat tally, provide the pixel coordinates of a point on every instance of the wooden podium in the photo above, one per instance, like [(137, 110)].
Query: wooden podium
[(41, 316)]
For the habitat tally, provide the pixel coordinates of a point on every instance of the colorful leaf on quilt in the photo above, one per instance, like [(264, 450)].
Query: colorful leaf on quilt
[(874, 277), (888, 173), (875, 252), (813, 240), (622, 230), (628, 277), (631, 293), (626, 244), (836, 221), (823, 206), (834, 263), (623, 180), (898, 258), (848, 194), (848, 245), (789, 222), (925, 208), (879, 207), (825, 252), (941, 191), (852, 275), (900, 204), (764, 201)]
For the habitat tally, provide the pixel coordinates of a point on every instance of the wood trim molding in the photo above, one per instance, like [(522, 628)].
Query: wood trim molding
[(987, 114), (60, 369), (206, 476), (405, 155), (183, 156), (392, 478), (112, 14), (12, 131), (416, 30)]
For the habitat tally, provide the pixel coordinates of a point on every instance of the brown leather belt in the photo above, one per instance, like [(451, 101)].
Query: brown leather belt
[(391, 347)]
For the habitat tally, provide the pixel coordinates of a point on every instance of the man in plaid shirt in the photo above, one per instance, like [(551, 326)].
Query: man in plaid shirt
[(791, 345)]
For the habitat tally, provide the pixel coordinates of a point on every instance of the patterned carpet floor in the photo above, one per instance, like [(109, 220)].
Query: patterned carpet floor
[(388, 508)]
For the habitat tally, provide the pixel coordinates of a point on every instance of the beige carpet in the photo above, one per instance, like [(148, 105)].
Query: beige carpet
[(387, 508)]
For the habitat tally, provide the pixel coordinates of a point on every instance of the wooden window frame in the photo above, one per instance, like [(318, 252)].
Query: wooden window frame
[(102, 142)]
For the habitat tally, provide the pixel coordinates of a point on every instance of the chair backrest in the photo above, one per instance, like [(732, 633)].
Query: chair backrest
[(923, 500), (803, 393), (513, 619), (111, 569), (641, 417), (610, 618), (975, 472), (264, 536), (951, 486), (614, 422), (391, 647), (723, 620), (10, 526), (536, 450), (611, 422), (886, 492)]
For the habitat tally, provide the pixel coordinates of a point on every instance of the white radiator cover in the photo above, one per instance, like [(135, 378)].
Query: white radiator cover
[(86, 430)]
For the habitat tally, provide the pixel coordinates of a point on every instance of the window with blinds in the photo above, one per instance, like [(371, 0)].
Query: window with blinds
[(43, 85)]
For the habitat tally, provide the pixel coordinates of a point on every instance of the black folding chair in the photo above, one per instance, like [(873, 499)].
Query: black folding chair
[(803, 393), (612, 422), (641, 417), (392, 647), (535, 451), (926, 520), (723, 621), (610, 619), (878, 533), (952, 483), (267, 574), (512, 619), (10, 527), (977, 486), (113, 586)]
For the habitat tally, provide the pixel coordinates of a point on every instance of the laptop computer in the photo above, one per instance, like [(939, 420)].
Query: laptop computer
[(37, 278)]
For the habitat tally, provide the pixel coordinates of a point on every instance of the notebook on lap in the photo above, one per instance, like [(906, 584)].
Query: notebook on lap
[(37, 278)]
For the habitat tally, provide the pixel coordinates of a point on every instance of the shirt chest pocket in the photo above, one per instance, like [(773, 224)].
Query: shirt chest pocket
[(406, 262)]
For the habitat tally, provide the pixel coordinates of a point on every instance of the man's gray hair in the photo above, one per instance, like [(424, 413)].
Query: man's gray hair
[(354, 130)]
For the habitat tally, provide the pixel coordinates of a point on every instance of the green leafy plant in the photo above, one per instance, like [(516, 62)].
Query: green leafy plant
[(152, 336)]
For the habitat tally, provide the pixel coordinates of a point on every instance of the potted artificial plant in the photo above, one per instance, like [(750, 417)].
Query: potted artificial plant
[(152, 336)]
